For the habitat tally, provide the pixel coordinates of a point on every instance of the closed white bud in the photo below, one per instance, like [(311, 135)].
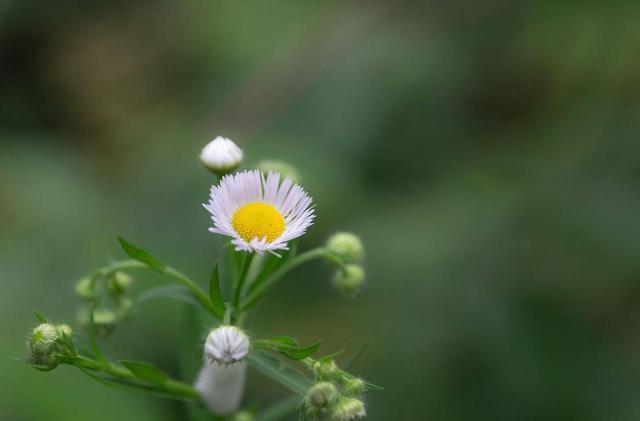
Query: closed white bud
[(350, 279), (221, 155), (348, 409), (43, 339), (226, 345), (346, 246), (284, 168)]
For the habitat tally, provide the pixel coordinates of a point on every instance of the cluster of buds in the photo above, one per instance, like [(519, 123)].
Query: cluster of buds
[(336, 395), (109, 300), (347, 248), (47, 341)]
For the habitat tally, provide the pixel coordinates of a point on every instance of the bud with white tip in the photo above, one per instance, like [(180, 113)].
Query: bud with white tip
[(42, 345), (64, 330), (348, 409), (346, 246), (350, 279), (221, 155), (226, 345), (353, 386)]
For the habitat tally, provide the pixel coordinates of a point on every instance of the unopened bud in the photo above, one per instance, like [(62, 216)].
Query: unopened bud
[(348, 409), (326, 369), (346, 246), (85, 289), (285, 169), (65, 329), (43, 339), (350, 279), (119, 282), (321, 395), (104, 318), (221, 155), (353, 387), (226, 345)]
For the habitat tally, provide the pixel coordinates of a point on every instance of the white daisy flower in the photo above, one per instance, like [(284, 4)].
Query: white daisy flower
[(221, 155), (261, 214), (226, 345)]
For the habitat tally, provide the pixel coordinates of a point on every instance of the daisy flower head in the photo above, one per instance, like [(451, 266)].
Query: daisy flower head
[(259, 212)]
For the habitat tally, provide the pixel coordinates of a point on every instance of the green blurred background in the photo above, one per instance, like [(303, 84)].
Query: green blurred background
[(486, 151)]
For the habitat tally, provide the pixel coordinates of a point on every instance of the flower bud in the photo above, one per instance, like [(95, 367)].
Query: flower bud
[(287, 170), (226, 345), (43, 339), (326, 370), (348, 409), (221, 155), (350, 279), (346, 246), (119, 282), (85, 289), (353, 387), (64, 329), (321, 395)]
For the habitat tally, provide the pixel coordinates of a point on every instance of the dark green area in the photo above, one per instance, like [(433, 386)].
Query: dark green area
[(486, 151)]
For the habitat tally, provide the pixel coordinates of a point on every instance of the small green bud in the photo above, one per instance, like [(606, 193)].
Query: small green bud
[(119, 282), (321, 395), (104, 317), (350, 279), (85, 289), (326, 369), (346, 246), (287, 170), (64, 329), (243, 416), (348, 409), (43, 339), (353, 387)]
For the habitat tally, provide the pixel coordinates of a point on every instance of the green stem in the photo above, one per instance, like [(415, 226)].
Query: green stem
[(171, 387), (305, 257), (181, 278), (246, 264)]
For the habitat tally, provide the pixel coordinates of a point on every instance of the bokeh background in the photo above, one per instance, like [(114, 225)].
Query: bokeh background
[(486, 152)]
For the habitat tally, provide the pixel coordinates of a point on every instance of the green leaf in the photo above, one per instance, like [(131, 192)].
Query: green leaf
[(215, 293), (140, 255), (40, 317), (279, 371), (287, 346), (145, 371)]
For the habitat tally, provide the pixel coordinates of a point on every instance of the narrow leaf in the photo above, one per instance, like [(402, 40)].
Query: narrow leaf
[(279, 371), (215, 293), (300, 353), (145, 371), (40, 317), (140, 255)]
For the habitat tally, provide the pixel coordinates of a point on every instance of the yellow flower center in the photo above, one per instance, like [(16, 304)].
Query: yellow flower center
[(258, 220)]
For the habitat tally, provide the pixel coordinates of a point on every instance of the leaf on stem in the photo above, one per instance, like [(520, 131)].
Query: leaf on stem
[(140, 255), (287, 346), (279, 371), (145, 371), (40, 317)]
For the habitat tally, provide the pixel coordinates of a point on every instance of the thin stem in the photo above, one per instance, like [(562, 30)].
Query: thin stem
[(305, 257), (181, 278), (171, 387), (246, 264)]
